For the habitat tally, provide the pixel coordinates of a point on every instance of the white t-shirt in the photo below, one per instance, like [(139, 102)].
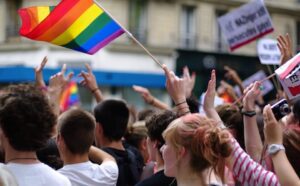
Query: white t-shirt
[(6, 177), (89, 173), (37, 174)]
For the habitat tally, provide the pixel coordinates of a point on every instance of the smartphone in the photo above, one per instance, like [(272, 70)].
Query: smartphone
[(280, 109)]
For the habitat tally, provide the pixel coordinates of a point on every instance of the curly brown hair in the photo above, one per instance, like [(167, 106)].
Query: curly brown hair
[(26, 117)]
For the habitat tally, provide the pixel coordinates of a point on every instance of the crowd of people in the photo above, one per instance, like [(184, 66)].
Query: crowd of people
[(237, 143)]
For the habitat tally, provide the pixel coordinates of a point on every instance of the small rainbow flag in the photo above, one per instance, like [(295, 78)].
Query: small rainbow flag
[(69, 97), (76, 24)]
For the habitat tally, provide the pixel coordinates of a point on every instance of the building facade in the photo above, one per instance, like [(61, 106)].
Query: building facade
[(163, 26)]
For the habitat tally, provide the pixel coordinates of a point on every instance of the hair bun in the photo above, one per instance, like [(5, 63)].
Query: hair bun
[(216, 141)]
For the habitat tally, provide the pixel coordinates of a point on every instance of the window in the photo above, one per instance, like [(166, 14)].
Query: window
[(138, 19), (12, 24), (188, 37), (221, 43)]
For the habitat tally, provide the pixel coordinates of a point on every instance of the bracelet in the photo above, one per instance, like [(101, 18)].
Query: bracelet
[(94, 90), (180, 103), (248, 113), (187, 112), (182, 108)]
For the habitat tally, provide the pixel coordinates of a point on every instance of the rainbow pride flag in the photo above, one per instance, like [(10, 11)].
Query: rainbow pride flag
[(69, 97), (76, 24)]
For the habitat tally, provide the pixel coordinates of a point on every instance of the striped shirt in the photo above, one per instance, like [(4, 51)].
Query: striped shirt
[(249, 172)]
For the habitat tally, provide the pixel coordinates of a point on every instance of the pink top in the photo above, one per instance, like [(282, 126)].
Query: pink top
[(249, 172)]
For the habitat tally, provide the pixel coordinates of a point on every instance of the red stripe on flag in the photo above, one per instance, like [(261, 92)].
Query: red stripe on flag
[(62, 25), (26, 21), (59, 11)]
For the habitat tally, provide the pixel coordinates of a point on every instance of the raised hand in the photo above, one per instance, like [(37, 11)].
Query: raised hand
[(233, 75), (90, 82), (175, 86), (229, 89), (39, 80), (58, 81), (89, 79), (144, 92), (285, 46), (209, 100), (251, 93), (189, 81), (272, 129), (210, 94), (56, 86)]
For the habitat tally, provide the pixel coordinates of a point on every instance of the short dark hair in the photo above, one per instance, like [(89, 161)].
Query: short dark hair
[(77, 128), (113, 116), (157, 123), (193, 104), (144, 114), (26, 117), (233, 119)]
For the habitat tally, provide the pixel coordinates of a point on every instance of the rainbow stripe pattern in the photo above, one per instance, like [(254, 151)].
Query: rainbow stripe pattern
[(76, 24), (69, 97)]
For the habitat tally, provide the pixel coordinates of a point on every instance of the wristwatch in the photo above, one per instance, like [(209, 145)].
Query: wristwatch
[(248, 113), (274, 148)]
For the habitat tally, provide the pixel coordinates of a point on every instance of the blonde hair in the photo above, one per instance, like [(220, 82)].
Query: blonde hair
[(135, 133), (207, 143)]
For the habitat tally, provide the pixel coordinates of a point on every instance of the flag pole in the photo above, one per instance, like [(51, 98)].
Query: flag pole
[(130, 35)]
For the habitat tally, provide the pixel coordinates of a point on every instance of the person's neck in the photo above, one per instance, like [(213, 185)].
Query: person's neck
[(23, 157), (159, 162), (75, 158), (186, 176), (191, 180), (189, 177), (113, 144)]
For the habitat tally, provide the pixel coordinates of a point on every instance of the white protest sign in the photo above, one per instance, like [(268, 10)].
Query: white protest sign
[(289, 77), (268, 52), (260, 75), (245, 24), (218, 101)]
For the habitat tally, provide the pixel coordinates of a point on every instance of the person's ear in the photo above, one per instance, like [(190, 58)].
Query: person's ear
[(182, 152), (100, 129), (59, 140), (143, 144)]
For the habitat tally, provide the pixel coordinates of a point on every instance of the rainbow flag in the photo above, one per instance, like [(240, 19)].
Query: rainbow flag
[(69, 97), (76, 24)]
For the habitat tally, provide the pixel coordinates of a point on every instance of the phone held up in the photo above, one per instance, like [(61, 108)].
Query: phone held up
[(280, 109)]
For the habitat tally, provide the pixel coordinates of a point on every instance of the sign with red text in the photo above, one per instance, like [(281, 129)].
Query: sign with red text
[(245, 24), (289, 77)]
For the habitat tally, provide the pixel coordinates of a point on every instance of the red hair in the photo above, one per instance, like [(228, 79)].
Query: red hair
[(207, 143)]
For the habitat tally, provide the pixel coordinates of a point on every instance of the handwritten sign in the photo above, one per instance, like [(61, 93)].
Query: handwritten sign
[(245, 24), (268, 52), (289, 77), (267, 85)]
